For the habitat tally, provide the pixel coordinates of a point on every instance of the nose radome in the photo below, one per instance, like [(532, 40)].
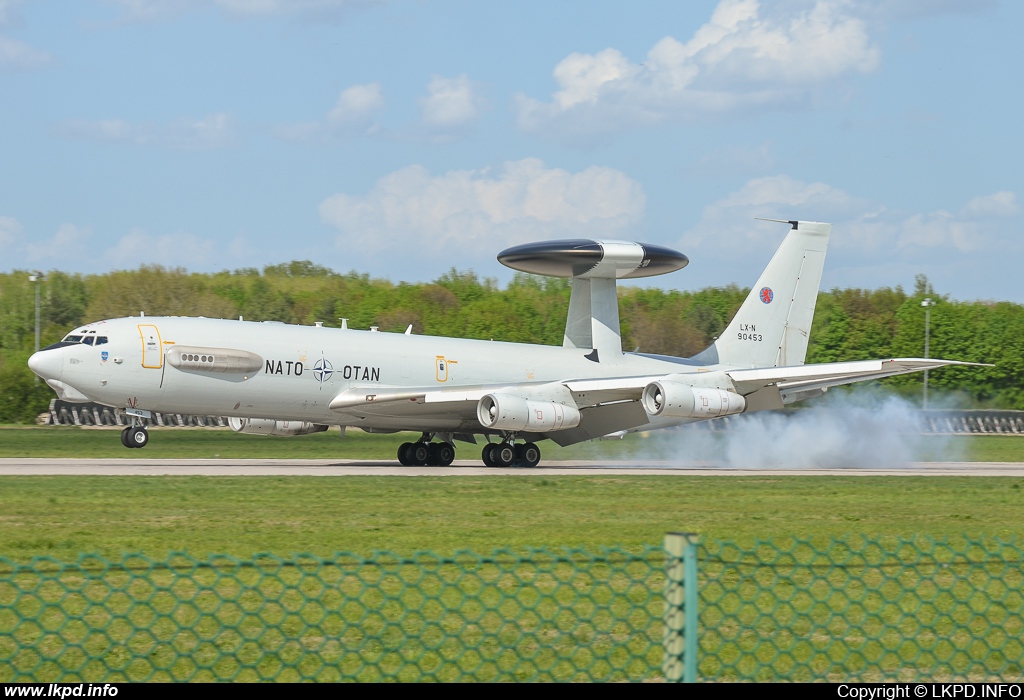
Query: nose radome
[(48, 364)]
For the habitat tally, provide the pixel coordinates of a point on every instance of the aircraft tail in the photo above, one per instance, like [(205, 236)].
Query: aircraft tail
[(773, 325)]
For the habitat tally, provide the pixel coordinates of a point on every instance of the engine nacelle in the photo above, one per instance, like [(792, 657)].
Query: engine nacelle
[(508, 412), (281, 428), (675, 400)]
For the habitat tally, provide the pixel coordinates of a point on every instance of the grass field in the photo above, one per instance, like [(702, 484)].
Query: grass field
[(65, 516), (207, 443)]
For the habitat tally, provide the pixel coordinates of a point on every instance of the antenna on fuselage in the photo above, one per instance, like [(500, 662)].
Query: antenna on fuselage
[(593, 267), (344, 323)]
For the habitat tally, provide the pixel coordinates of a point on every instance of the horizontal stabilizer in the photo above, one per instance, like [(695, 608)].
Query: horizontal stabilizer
[(809, 377)]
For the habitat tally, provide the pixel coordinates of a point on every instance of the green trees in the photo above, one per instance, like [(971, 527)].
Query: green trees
[(849, 324)]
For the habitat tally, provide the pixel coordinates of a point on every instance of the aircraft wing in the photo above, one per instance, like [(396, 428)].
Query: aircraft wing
[(375, 400), (612, 404), (595, 392), (453, 409), (606, 405)]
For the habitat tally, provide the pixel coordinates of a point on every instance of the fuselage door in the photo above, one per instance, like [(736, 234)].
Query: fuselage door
[(152, 348)]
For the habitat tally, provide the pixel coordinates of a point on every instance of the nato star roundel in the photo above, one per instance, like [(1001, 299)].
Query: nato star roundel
[(322, 370), (767, 295)]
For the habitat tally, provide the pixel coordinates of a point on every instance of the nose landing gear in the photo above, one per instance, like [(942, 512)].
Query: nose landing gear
[(134, 436)]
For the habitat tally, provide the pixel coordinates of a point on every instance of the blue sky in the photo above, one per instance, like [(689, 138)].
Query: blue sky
[(401, 138)]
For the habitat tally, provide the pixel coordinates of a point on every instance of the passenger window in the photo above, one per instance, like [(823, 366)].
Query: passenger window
[(102, 340), (88, 340)]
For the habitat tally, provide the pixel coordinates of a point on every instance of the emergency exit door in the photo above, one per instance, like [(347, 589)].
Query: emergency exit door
[(152, 348)]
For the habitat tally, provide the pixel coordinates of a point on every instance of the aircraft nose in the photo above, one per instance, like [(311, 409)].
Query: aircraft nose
[(48, 364)]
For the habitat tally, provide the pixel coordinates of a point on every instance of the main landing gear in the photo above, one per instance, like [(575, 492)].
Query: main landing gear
[(508, 454), (426, 453), (134, 436)]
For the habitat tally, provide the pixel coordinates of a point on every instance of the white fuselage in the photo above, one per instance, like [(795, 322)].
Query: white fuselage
[(304, 367)]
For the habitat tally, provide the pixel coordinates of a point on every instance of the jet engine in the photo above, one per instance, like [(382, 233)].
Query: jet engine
[(282, 428), (675, 400), (508, 412)]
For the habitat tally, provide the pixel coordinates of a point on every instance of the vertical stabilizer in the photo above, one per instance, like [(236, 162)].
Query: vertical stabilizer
[(773, 325)]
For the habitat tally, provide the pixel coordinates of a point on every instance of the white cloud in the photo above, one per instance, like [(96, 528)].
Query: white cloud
[(353, 114), (329, 8), (737, 160), (209, 132), (8, 11), (741, 57), (10, 232), (15, 55), (467, 212), (79, 248), (68, 241), (726, 225), (356, 105), (151, 10), (863, 227), (997, 205), (919, 9), (450, 104), (171, 250)]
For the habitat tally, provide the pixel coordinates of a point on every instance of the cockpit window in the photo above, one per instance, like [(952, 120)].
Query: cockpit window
[(89, 338)]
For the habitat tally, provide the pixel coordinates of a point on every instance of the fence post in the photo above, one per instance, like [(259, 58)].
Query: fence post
[(680, 639)]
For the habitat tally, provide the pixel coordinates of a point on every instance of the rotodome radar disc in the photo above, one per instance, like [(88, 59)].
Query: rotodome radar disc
[(586, 258)]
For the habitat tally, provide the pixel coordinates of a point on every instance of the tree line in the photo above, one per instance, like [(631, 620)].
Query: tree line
[(849, 324)]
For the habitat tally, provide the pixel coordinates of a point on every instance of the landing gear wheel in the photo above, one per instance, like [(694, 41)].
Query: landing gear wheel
[(445, 454), (124, 437), (503, 454), (403, 454), (486, 455), (432, 460), (419, 453), (138, 437), (528, 455)]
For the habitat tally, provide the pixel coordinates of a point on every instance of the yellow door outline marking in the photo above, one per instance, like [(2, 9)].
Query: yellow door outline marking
[(159, 343), (440, 362)]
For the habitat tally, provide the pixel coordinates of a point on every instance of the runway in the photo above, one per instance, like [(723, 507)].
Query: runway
[(349, 467)]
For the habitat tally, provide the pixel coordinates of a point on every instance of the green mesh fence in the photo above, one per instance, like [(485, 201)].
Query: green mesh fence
[(852, 609), (859, 608), (531, 615)]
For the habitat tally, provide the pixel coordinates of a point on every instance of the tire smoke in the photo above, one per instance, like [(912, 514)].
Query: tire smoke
[(844, 429)]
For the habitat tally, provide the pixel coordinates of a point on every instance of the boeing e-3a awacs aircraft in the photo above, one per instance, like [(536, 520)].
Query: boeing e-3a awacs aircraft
[(278, 379)]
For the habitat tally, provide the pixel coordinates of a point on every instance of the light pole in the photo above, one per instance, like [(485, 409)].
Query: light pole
[(927, 304), (36, 277)]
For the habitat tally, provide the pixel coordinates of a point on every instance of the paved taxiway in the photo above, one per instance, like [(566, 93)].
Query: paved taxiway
[(349, 467)]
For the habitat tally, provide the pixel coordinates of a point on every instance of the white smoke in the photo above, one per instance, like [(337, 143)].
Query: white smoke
[(844, 429)]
